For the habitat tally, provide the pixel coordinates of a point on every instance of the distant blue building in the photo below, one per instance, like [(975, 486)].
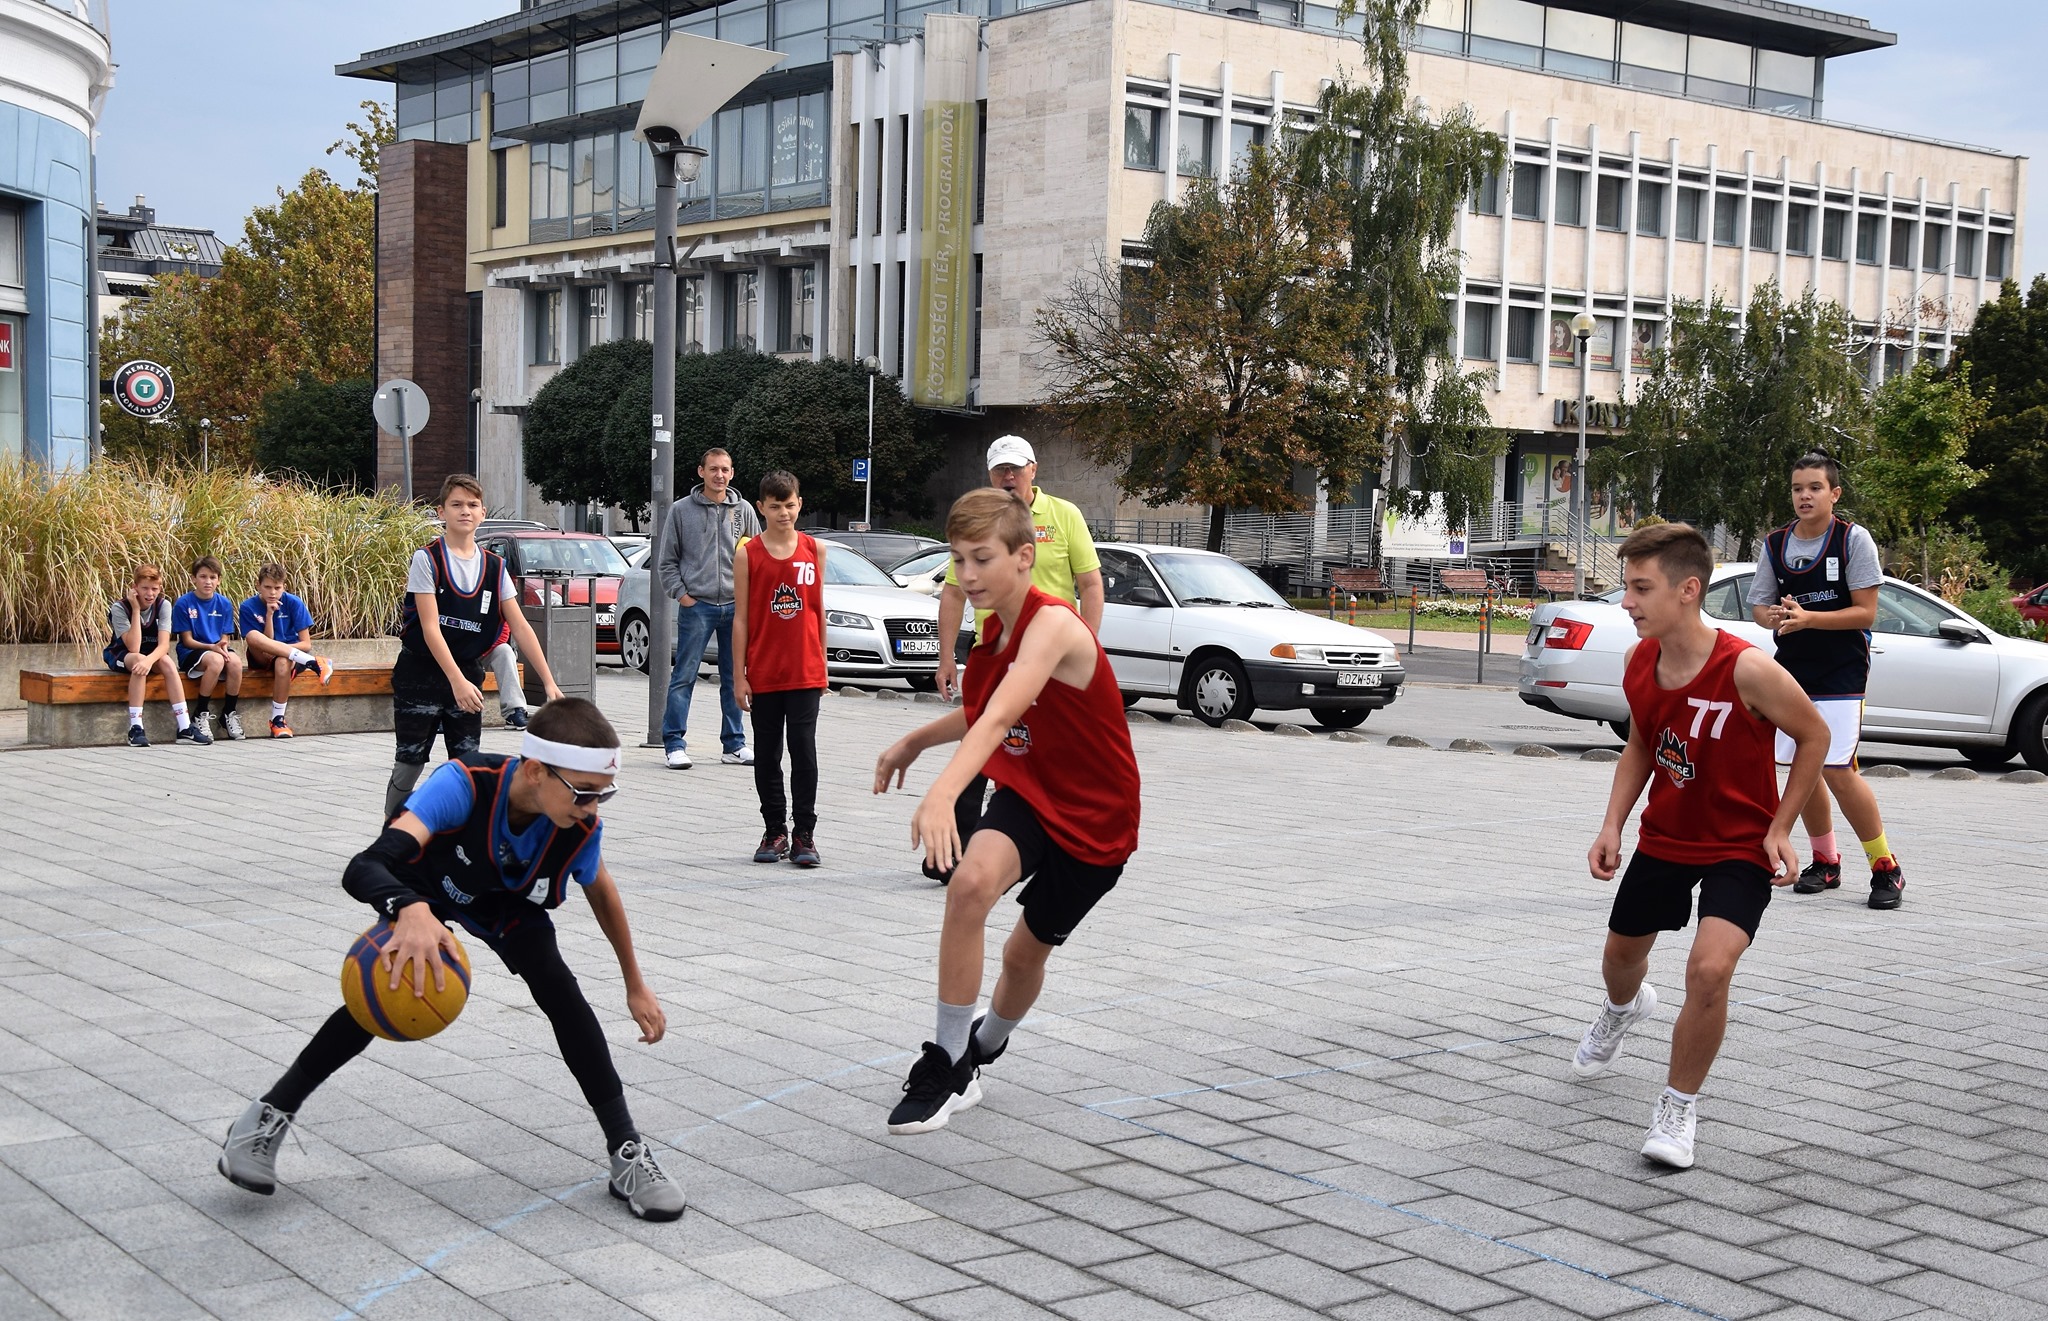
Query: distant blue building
[(59, 67)]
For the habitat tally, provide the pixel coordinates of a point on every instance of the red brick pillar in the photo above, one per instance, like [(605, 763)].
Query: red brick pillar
[(423, 303)]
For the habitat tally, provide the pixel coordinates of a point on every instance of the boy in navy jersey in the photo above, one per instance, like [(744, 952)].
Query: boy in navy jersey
[(1704, 710), (206, 624), (493, 843), (456, 598)]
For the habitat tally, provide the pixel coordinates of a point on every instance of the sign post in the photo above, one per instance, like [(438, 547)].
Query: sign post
[(401, 409)]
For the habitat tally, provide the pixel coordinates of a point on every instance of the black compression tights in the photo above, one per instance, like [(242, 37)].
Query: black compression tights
[(531, 951)]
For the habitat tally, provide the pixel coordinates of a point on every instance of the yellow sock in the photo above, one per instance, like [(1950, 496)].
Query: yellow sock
[(1878, 850)]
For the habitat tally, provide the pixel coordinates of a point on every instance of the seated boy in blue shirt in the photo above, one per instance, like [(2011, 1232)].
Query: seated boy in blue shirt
[(276, 631), (205, 623)]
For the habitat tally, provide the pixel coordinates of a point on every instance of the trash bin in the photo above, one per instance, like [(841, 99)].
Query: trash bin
[(558, 606)]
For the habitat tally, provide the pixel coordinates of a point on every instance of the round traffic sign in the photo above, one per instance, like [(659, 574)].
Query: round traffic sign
[(143, 388), (400, 407)]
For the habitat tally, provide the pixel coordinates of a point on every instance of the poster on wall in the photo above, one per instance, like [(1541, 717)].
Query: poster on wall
[(1420, 538), (1546, 493), (1642, 346), (1561, 342), (1601, 347)]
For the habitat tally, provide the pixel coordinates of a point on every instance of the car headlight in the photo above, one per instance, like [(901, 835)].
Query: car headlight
[(847, 619), (1288, 651)]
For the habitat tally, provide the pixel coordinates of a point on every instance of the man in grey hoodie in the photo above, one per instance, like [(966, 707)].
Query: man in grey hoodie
[(695, 565)]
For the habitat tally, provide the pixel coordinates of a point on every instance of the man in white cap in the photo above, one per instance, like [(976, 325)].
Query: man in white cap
[(1066, 567)]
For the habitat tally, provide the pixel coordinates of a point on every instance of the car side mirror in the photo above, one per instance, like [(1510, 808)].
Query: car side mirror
[(1146, 595), (1957, 630)]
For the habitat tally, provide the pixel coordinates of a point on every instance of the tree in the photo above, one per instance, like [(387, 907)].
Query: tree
[(2007, 356), (565, 437), (1731, 400), (708, 386), (1209, 375), (1922, 427), (811, 418), (324, 432)]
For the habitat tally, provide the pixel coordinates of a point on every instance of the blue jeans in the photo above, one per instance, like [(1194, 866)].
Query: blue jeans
[(695, 625)]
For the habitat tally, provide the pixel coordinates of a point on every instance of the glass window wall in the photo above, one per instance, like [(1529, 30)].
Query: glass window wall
[(1579, 43), (1650, 208), (1508, 30), (1526, 191), (1652, 57), (1141, 137), (1479, 320), (1718, 70)]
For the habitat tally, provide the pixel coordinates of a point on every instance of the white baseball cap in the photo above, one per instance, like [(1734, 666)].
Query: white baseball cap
[(1013, 450)]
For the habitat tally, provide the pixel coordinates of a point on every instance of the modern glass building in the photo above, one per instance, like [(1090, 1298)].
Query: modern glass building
[(56, 67)]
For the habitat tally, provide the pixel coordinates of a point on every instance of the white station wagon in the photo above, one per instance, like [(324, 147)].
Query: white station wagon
[(1204, 631)]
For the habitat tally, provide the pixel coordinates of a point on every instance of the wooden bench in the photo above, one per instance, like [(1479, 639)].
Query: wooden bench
[(1557, 582), (89, 708), (1463, 582), (1361, 582)]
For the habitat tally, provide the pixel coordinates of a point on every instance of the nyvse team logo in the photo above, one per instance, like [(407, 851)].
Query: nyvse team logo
[(1673, 758), (785, 602), (1018, 741)]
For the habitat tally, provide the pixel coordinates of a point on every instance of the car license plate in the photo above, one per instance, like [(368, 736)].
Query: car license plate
[(1358, 679), (917, 646), (606, 619)]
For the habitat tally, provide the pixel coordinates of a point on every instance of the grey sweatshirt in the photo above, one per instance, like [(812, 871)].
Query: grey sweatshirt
[(697, 543)]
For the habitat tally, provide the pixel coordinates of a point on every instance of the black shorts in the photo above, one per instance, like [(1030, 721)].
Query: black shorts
[(1656, 895), (1060, 888), (423, 705)]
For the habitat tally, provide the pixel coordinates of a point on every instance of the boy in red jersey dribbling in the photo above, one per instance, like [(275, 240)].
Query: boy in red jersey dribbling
[(1704, 711), (1043, 719)]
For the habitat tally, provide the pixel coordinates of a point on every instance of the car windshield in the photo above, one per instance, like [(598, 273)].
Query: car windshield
[(847, 567), (925, 563), (1214, 580), (580, 555)]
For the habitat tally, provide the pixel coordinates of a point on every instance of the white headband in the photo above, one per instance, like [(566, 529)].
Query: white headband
[(570, 756)]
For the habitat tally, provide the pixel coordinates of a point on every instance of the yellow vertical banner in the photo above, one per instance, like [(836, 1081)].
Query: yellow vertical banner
[(945, 301)]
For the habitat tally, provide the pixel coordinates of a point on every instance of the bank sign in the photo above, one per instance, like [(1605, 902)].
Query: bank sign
[(1601, 415)]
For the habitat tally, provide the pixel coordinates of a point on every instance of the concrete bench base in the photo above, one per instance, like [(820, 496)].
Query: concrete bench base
[(103, 724)]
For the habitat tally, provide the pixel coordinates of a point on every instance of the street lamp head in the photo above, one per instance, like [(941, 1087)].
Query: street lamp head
[(689, 162), (872, 363), (1584, 324)]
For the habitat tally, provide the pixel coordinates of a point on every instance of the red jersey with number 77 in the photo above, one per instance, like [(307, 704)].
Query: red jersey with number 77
[(1714, 779), (1069, 755), (785, 602)]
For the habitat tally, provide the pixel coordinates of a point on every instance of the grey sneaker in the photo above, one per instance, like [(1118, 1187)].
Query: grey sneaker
[(231, 725), (1672, 1131), (642, 1186), (1601, 1045), (249, 1157)]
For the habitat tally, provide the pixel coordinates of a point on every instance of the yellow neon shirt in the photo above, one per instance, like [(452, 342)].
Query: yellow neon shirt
[(1065, 551)]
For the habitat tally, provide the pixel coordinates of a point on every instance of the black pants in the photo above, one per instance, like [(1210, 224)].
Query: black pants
[(528, 949), (423, 705), (792, 714)]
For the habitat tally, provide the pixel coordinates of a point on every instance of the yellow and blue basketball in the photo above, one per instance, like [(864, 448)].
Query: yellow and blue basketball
[(400, 1015)]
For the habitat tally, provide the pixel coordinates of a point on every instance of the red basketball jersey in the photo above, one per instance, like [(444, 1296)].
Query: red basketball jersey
[(1714, 784), (1070, 755), (785, 602)]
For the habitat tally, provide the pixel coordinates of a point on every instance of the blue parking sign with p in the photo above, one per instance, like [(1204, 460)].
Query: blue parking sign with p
[(860, 470)]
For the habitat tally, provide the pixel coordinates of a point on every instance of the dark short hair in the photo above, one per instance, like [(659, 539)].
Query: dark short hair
[(722, 453), (1816, 459), (458, 481), (208, 563), (272, 572), (778, 485), (990, 513), (575, 721), (1677, 547)]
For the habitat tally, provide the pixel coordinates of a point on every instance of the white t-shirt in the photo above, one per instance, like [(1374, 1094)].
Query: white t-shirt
[(420, 577), (1863, 569)]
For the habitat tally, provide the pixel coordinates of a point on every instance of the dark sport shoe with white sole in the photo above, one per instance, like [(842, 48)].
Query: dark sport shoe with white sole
[(642, 1185), (1887, 887), (1601, 1045), (249, 1156), (936, 1090), (774, 847), (1818, 876)]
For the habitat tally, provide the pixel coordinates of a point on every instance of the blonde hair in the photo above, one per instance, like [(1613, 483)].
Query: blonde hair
[(987, 513)]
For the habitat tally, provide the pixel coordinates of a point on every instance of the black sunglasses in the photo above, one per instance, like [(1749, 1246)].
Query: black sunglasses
[(585, 797)]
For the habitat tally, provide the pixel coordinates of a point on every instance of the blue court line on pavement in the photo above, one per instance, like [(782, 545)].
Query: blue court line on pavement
[(1101, 1108)]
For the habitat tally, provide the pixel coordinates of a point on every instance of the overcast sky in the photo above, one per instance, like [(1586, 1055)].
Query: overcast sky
[(217, 102)]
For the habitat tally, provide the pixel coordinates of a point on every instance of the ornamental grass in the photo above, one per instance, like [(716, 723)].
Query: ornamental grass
[(68, 542)]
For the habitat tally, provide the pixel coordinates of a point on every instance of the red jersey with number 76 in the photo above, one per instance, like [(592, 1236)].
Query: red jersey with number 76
[(1714, 779), (785, 604)]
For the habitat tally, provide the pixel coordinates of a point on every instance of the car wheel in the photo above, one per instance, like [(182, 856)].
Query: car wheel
[(1348, 717), (634, 641), (1987, 758), (1620, 728), (1131, 699), (922, 683), (1218, 690), (2030, 732)]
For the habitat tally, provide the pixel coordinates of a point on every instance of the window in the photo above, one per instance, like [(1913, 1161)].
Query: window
[(1579, 43), (1728, 219), (1933, 247), (1998, 256), (1902, 245), (799, 309), (1763, 225), (1197, 154), (1691, 201), (591, 316), (1526, 191), (1611, 208), (1908, 613), (1718, 70), (1867, 230), (548, 176), (743, 310), (1570, 207), (689, 315), (548, 84), (547, 326), (1728, 599), (639, 299), (1441, 26), (1522, 323), (1243, 137), (1508, 30), (1479, 329), (1123, 574), (1486, 197), (1652, 57), (1141, 137), (1834, 232), (1650, 208), (1966, 253), (1784, 82), (498, 188), (1799, 230)]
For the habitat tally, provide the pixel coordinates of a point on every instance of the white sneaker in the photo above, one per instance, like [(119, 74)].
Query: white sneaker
[(679, 760), (1672, 1130), (231, 725), (1601, 1045), (740, 756)]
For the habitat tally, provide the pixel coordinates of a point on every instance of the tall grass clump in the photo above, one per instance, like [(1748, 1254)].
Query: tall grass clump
[(68, 541)]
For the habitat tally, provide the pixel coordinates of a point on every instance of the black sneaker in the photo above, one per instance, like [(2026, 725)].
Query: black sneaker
[(194, 735), (136, 738), (936, 1090), (1887, 886), (515, 717), (974, 1046), (774, 847), (1819, 876), (932, 873), (803, 851)]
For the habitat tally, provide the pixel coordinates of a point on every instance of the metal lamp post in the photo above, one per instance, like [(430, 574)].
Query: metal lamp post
[(1583, 326), (874, 365)]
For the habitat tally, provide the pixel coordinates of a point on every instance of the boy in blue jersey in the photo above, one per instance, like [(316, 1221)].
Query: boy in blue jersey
[(205, 624), (277, 631), (494, 843)]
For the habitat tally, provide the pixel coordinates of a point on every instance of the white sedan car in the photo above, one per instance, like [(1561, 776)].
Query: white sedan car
[(1203, 630), (1938, 678)]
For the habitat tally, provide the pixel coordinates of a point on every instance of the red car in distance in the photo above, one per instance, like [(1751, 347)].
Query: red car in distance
[(2033, 605), (530, 552)]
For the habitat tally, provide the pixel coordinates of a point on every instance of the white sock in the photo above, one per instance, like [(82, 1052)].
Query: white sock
[(276, 710), (1622, 1009), (134, 715), (178, 710), (301, 657), (1676, 1095)]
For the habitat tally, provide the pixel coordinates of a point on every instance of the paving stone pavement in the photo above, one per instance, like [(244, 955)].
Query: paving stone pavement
[(1308, 1059)]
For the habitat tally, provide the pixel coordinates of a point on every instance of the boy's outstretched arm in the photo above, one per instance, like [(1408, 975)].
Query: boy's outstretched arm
[(603, 894)]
